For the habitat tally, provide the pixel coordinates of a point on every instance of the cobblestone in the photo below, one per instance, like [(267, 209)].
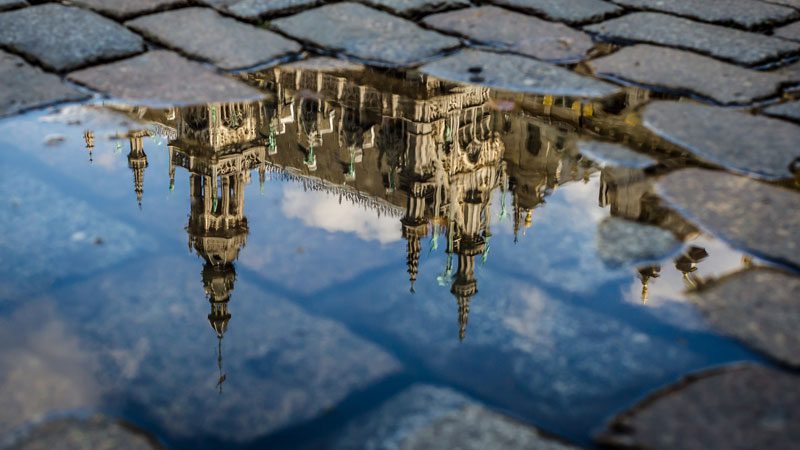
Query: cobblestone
[(624, 242), (759, 307), (731, 139), (417, 7), (788, 110), (366, 33), (256, 9), (24, 86), (750, 215), (48, 34), (573, 12), (519, 33), (516, 73), (738, 46), (791, 31), (749, 407), (688, 72), (161, 77), (427, 417), (744, 13), (123, 9), (204, 34), (95, 433), (11, 4), (607, 154)]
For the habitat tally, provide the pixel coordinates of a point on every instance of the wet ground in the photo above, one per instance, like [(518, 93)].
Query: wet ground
[(483, 251)]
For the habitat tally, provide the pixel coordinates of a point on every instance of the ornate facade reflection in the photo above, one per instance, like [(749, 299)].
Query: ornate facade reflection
[(436, 155)]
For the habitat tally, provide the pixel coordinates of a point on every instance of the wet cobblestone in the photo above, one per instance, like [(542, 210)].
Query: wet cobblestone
[(208, 36), (744, 13), (759, 307), (366, 33), (728, 138), (47, 34), (573, 12), (683, 71), (741, 47), (124, 9), (519, 33), (160, 77), (25, 86), (788, 110)]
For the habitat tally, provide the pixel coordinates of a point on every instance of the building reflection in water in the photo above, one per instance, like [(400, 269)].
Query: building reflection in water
[(433, 153)]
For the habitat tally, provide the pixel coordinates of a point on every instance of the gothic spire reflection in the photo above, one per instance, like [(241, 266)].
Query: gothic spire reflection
[(434, 154)]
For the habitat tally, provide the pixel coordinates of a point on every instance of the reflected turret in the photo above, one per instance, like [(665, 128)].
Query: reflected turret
[(137, 162)]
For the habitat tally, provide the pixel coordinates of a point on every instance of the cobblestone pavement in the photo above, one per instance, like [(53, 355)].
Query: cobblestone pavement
[(732, 65)]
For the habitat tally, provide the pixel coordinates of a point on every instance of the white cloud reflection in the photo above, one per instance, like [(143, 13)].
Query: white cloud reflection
[(321, 210)]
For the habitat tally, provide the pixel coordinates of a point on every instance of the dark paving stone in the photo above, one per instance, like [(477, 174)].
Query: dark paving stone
[(745, 13), (255, 9), (63, 38), (575, 11), (516, 73), (788, 110), (725, 43), (740, 408), (204, 34), (123, 9), (757, 146), (760, 307), (515, 32), (366, 33), (417, 7), (607, 154), (791, 31), (750, 215), (161, 77), (94, 433), (624, 242), (688, 72), (12, 4), (24, 86), (427, 417)]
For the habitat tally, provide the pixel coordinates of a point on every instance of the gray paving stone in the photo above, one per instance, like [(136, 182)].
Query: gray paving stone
[(724, 43), (204, 34), (12, 4), (25, 87), (574, 12), (739, 408), (430, 417), (256, 9), (750, 215), (123, 9), (788, 110), (366, 33), (64, 38), (684, 71), (607, 154), (623, 242), (516, 73), (791, 31), (519, 33), (417, 7), (745, 13), (790, 72), (283, 366), (793, 3), (93, 433), (759, 307), (740, 142), (160, 77)]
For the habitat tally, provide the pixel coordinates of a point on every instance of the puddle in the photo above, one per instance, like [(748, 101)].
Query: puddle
[(254, 274)]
